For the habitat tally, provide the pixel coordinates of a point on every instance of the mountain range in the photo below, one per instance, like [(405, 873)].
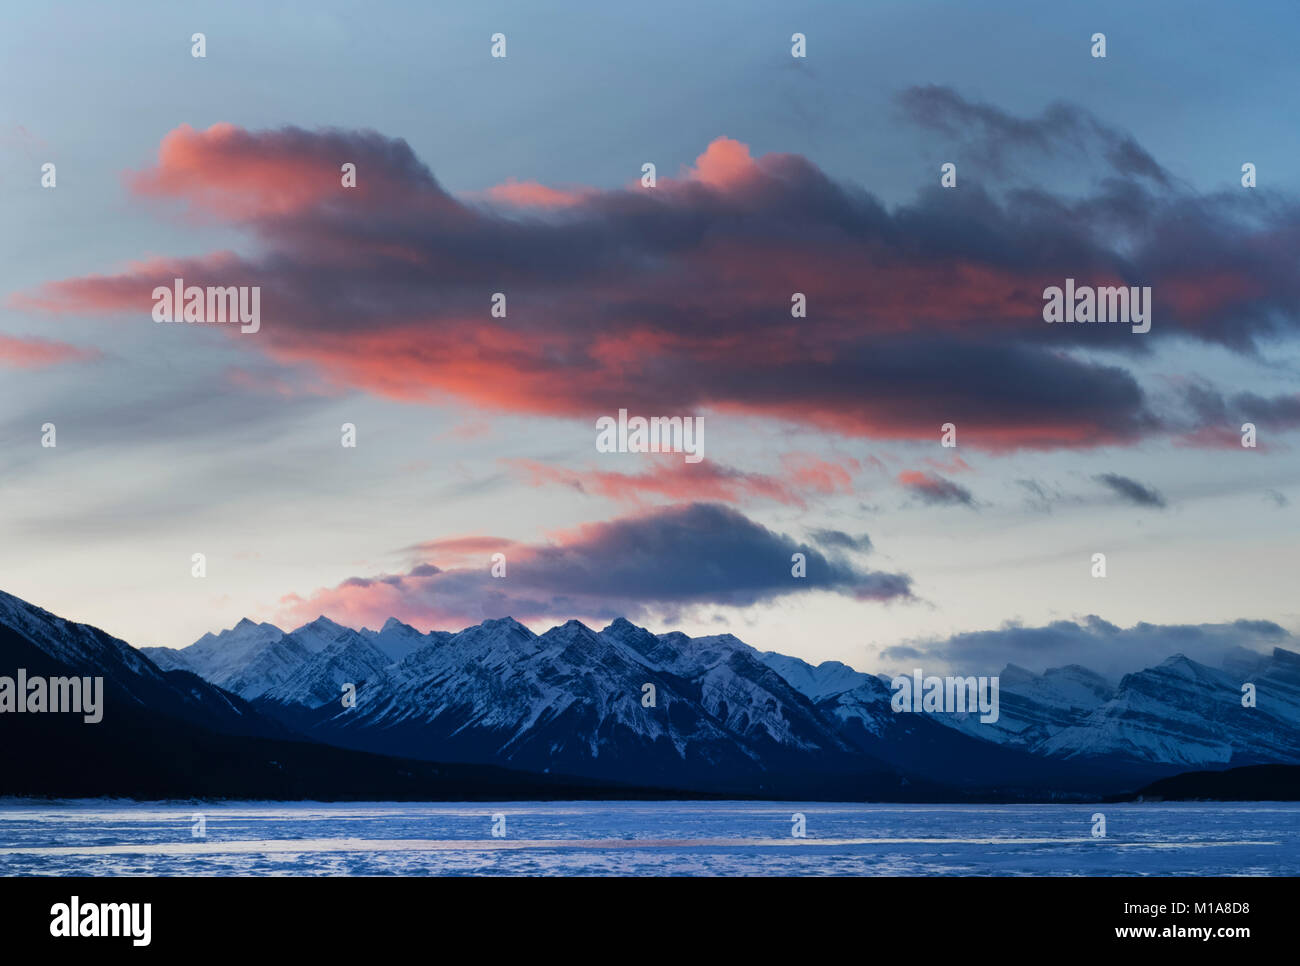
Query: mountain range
[(726, 714), (497, 710)]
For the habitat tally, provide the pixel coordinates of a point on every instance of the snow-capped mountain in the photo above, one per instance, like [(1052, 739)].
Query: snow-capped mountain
[(701, 713), (574, 700), (398, 640), (734, 685), (1277, 682), (933, 746), (43, 643), (823, 681), (219, 657), (1190, 714), (168, 734), (254, 660), (1034, 707), (349, 658), (570, 700), (1180, 713)]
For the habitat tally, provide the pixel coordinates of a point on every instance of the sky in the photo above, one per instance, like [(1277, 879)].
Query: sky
[(522, 175)]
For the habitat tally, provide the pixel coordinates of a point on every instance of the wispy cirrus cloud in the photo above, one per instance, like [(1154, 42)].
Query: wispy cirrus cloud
[(839, 540), (1132, 491), (668, 480), (672, 480), (934, 489), (36, 353), (995, 135)]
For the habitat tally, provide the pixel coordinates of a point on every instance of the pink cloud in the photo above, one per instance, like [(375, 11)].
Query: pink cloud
[(669, 479), (675, 299), (36, 353), (531, 194)]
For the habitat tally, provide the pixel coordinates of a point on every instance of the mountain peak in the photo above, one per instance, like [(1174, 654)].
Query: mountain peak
[(570, 629), (622, 629), (498, 625), (675, 639), (1178, 660), (321, 626), (1287, 657), (726, 639), (501, 622), (1015, 674)]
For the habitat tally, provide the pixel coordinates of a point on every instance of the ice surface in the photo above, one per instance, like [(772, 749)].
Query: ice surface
[(646, 838)]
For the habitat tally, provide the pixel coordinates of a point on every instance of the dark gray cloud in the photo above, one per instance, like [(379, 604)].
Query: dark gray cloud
[(1282, 412), (657, 562), (1093, 643), (935, 490), (1131, 490), (1212, 407), (1061, 129), (902, 652), (839, 540)]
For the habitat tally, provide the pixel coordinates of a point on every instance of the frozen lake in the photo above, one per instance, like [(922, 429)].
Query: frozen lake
[(645, 838)]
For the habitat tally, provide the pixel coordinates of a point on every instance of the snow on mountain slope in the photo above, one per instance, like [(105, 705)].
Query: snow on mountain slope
[(1033, 707), (502, 679), (735, 685), (571, 700), (938, 748), (29, 636), (1189, 714), (398, 640), (818, 683), (1277, 683), (268, 666), (79, 646), (867, 705), (219, 657), (170, 735), (349, 659), (1180, 713), (253, 659), (320, 634), (753, 700), (168, 658)]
